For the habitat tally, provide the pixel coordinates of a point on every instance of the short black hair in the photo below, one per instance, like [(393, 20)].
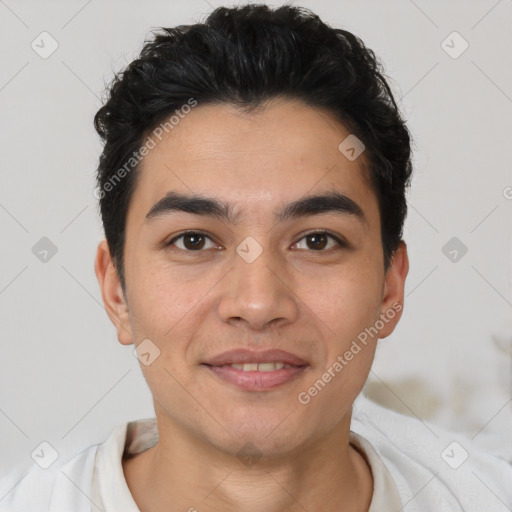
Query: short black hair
[(244, 56)]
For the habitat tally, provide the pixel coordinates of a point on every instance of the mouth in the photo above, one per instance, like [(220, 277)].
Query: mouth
[(256, 371), (268, 366)]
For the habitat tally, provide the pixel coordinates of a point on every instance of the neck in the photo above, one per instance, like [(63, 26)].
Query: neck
[(183, 472)]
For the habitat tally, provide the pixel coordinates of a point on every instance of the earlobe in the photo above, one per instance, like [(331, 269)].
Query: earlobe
[(393, 296), (112, 293)]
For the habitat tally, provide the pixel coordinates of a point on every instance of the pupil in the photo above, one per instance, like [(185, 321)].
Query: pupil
[(316, 238), (196, 244)]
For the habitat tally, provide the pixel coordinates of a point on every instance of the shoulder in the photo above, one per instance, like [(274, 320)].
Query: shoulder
[(30, 487), (431, 466), (65, 485)]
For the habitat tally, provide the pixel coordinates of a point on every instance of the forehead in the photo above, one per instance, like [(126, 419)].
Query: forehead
[(252, 160)]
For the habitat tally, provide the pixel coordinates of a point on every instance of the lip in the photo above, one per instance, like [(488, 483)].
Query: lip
[(242, 355), (256, 380)]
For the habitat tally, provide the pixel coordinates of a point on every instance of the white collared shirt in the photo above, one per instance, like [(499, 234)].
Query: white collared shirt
[(416, 468)]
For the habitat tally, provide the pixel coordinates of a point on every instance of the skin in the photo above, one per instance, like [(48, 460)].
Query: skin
[(197, 304)]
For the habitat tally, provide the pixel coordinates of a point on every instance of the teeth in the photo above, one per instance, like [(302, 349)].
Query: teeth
[(260, 367), (269, 367)]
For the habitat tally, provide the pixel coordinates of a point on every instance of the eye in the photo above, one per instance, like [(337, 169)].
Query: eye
[(319, 240), (195, 241), (191, 241)]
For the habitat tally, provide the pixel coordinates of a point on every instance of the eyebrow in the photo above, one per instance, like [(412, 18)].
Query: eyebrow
[(332, 202)]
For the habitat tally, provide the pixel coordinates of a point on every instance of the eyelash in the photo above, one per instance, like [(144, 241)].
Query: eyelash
[(341, 243)]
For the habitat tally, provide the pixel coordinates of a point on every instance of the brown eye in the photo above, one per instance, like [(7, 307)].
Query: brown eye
[(191, 241), (319, 240)]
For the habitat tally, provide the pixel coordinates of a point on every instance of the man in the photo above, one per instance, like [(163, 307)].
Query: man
[(252, 190)]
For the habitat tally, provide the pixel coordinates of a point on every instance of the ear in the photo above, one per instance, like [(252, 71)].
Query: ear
[(112, 294), (393, 299)]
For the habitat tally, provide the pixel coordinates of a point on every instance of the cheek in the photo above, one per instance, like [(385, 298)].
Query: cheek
[(346, 301), (164, 296), (346, 312)]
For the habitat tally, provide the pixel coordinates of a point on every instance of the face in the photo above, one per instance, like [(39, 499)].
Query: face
[(252, 274)]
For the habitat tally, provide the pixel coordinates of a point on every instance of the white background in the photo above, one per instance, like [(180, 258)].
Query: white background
[(65, 379)]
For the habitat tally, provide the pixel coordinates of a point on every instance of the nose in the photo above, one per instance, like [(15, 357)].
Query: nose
[(258, 293)]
